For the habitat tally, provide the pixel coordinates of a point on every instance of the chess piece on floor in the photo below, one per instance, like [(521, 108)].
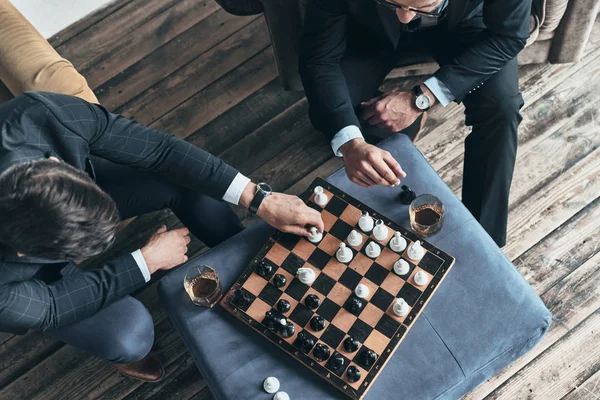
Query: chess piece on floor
[(281, 396), (306, 275), (398, 243), (355, 238), (320, 197), (271, 385), (365, 223), (315, 235), (400, 307), (361, 291), (416, 251), (407, 195), (421, 278), (343, 253), (401, 267), (373, 250), (380, 231)]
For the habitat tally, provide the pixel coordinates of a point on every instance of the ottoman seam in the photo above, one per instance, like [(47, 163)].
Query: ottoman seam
[(453, 230), (537, 335), (445, 345), (238, 368)]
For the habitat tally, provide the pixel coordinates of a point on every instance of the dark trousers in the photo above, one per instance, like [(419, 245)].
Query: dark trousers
[(123, 332), (492, 110)]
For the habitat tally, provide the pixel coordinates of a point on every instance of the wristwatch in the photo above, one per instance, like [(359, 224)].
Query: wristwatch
[(262, 191), (422, 101)]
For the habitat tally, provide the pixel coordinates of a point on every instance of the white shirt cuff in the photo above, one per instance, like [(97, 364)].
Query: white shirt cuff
[(345, 135), (235, 190), (439, 90), (139, 259)]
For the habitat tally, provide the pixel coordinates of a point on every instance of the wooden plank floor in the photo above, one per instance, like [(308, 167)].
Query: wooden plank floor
[(191, 69)]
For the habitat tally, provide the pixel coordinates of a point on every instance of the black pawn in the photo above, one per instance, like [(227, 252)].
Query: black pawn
[(283, 306), (279, 280), (407, 195), (353, 374), (321, 352), (241, 299), (287, 330), (264, 269), (305, 343), (351, 344), (312, 301), (337, 361), (317, 323), (270, 321), (356, 305), (368, 358)]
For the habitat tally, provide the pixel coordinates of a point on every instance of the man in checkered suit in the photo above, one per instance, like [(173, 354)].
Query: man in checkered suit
[(69, 172)]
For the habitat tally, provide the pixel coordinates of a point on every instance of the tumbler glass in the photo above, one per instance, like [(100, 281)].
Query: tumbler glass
[(202, 285), (426, 215)]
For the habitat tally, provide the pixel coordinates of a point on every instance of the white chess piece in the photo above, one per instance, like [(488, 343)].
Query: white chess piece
[(320, 197), (373, 250), (361, 291), (306, 275), (400, 307), (398, 243), (365, 222), (315, 236), (421, 278), (355, 238), (343, 253), (380, 231), (416, 251), (401, 267), (281, 396), (271, 384)]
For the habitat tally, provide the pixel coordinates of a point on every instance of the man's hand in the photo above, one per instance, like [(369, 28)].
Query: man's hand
[(166, 250), (367, 165), (285, 212), (393, 111)]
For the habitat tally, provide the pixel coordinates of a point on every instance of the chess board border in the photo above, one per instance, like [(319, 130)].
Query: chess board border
[(332, 378)]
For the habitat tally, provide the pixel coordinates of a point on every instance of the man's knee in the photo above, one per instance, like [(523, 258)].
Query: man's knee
[(135, 336)]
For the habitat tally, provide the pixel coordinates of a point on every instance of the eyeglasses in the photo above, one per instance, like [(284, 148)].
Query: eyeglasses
[(439, 10)]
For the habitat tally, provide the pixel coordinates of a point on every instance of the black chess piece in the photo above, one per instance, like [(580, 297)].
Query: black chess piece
[(264, 269), (283, 306), (312, 301), (241, 299), (279, 280), (356, 305), (337, 361), (305, 343), (353, 374), (317, 323), (351, 344), (270, 321), (407, 195), (321, 352), (287, 330), (368, 358)]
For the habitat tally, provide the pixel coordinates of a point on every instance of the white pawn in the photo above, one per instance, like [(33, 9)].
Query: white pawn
[(320, 197), (271, 384), (380, 231), (343, 253), (365, 222), (401, 267), (281, 396), (398, 243), (416, 251), (421, 278), (306, 275), (354, 238), (400, 307), (315, 236), (373, 250), (361, 291)]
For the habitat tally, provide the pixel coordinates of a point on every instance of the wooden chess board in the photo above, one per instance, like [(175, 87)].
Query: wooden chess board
[(375, 325)]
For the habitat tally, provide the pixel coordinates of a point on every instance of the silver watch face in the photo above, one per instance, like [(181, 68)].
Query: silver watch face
[(265, 188), (423, 102)]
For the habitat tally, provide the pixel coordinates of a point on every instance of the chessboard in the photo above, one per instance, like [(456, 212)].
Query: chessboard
[(350, 346)]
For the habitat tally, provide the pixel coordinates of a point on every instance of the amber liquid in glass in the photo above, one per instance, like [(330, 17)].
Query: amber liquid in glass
[(204, 290), (427, 220)]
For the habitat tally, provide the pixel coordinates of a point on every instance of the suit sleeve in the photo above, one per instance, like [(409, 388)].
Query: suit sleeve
[(506, 33), (123, 141), (321, 49), (33, 304)]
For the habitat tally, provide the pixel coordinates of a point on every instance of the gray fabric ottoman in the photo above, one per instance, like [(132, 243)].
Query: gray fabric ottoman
[(483, 316)]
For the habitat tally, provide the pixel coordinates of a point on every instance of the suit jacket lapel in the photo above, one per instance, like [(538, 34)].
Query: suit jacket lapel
[(390, 23), (456, 10)]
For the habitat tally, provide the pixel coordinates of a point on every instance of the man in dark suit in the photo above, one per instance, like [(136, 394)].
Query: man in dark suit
[(69, 172), (348, 48)]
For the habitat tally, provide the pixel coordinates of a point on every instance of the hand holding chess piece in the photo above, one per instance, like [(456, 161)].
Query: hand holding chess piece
[(315, 235)]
